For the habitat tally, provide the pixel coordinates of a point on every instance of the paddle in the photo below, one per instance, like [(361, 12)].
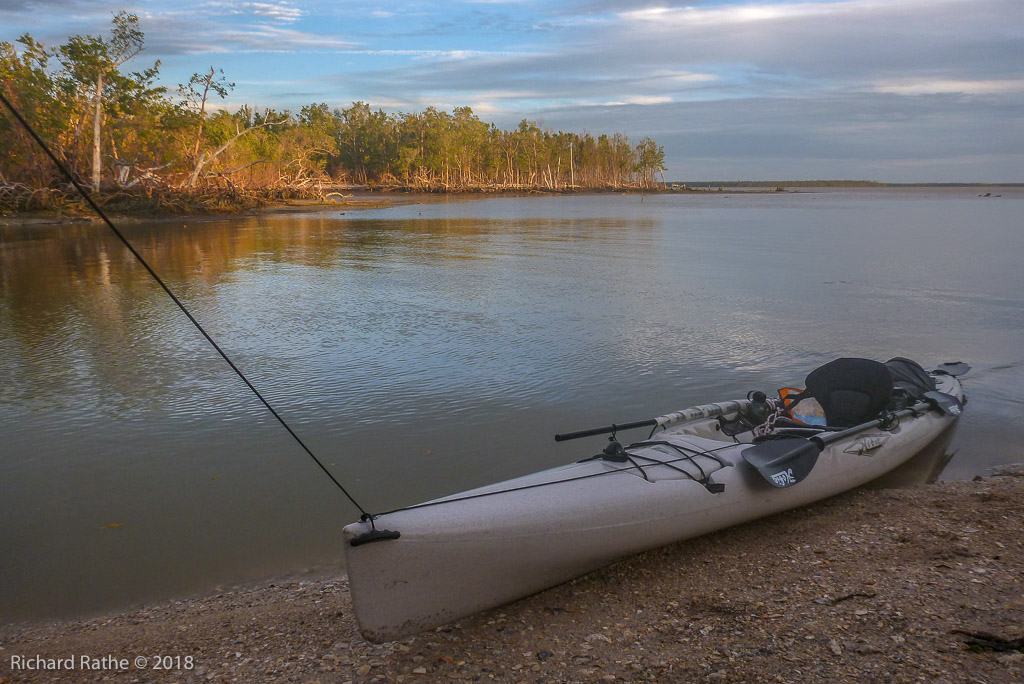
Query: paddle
[(955, 368), (946, 403), (785, 462)]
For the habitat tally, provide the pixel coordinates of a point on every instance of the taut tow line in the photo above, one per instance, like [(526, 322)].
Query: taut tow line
[(67, 174)]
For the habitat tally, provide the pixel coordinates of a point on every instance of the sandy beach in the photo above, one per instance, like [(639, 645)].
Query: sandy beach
[(886, 585)]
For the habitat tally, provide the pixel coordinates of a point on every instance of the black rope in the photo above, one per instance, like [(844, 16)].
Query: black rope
[(683, 449), (654, 462), (639, 467), (686, 457), (67, 174)]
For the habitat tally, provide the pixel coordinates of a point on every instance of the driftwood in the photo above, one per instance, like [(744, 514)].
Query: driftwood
[(20, 197), (123, 170)]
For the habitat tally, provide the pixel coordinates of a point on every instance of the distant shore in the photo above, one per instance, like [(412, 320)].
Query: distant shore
[(219, 206), (874, 585), (354, 200), (51, 205)]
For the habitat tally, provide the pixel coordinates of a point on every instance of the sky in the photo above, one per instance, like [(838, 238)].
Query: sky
[(885, 90)]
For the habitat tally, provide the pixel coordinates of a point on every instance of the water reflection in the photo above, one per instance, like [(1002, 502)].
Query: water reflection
[(925, 467)]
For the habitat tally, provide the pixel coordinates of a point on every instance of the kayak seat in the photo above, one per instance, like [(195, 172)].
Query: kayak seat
[(909, 376), (851, 391)]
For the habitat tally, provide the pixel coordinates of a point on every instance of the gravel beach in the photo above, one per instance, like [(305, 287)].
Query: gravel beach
[(904, 585)]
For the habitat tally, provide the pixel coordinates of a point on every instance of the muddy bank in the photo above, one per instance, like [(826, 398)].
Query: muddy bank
[(352, 202), (908, 585)]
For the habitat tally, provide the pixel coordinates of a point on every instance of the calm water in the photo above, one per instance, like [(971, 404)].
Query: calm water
[(427, 348)]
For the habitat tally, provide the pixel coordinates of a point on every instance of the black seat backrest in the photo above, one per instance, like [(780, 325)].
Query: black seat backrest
[(910, 377), (851, 391)]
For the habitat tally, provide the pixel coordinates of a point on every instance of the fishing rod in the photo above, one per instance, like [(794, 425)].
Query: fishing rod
[(149, 269), (681, 416)]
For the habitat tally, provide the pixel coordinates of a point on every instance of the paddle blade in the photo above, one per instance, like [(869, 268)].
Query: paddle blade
[(956, 368), (783, 462), (946, 403)]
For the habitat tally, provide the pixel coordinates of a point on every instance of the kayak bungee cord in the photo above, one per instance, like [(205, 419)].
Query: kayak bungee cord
[(67, 174), (625, 469)]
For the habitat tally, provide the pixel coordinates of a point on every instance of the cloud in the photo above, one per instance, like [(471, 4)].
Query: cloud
[(27, 6), (52, 21), (742, 50), (937, 86), (186, 34), (638, 100), (280, 11), (187, 28), (266, 38), (851, 39), (428, 54), (880, 136)]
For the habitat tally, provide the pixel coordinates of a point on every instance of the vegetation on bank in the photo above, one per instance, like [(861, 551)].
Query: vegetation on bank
[(138, 146)]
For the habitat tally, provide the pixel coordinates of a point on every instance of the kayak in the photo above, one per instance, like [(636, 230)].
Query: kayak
[(702, 469)]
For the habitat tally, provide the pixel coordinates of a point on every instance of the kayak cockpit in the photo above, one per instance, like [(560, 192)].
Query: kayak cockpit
[(842, 398)]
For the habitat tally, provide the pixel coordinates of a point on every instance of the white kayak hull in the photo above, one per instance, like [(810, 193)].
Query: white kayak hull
[(460, 555)]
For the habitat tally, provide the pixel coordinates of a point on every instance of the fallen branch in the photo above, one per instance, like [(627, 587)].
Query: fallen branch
[(826, 601), (991, 642), (204, 159)]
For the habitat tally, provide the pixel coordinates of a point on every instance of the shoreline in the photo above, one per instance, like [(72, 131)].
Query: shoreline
[(360, 197), (876, 584), (396, 196), (357, 203)]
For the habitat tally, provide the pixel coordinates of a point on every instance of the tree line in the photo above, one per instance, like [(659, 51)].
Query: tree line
[(121, 132)]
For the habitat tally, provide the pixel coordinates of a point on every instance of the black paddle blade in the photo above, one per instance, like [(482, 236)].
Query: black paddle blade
[(946, 403), (783, 462), (956, 368)]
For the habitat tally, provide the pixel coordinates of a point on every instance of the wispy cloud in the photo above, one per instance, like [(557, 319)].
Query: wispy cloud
[(280, 11), (926, 86), (432, 54), (639, 100), (266, 38), (185, 34)]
